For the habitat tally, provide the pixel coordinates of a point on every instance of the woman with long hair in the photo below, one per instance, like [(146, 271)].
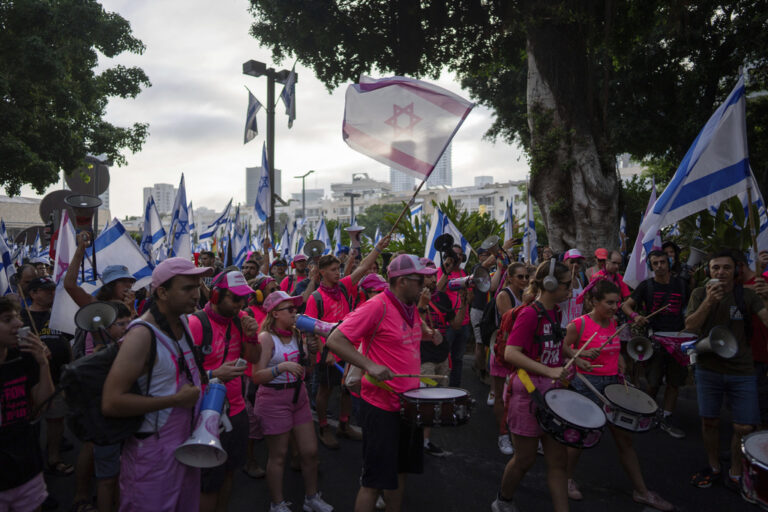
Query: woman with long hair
[(282, 400), (602, 366)]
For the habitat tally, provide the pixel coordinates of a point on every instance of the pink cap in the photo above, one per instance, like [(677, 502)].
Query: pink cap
[(299, 257), (601, 254), (263, 281), (406, 264), (279, 296), (427, 262), (373, 282), (572, 254), (233, 281), (172, 267)]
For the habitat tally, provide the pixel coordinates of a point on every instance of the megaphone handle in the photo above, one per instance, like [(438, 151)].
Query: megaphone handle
[(225, 421)]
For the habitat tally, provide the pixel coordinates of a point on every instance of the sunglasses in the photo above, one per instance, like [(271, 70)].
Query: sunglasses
[(523, 276), (291, 309), (419, 279)]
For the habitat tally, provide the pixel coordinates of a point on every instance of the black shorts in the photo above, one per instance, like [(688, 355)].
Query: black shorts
[(328, 375), (235, 443), (390, 446), (662, 367)]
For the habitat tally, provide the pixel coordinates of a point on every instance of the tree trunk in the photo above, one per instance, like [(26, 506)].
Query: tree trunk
[(573, 175)]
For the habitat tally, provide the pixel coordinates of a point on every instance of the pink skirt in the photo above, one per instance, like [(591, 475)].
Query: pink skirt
[(498, 370), (520, 413), (278, 412)]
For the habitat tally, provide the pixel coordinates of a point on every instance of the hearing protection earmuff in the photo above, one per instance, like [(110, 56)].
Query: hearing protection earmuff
[(215, 296), (550, 282)]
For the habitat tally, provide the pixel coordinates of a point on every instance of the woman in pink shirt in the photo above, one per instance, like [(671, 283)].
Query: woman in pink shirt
[(535, 345), (604, 367)]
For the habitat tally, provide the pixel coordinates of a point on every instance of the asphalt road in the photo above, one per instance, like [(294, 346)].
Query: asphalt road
[(468, 479)]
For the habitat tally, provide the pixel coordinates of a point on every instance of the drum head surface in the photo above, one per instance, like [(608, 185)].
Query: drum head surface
[(756, 446), (435, 393), (630, 398), (575, 408)]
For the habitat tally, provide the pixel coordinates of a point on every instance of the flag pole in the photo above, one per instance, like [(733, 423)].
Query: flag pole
[(752, 230), (408, 205)]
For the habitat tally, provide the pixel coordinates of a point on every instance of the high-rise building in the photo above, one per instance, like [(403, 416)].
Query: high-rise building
[(442, 175), (252, 176), (164, 195)]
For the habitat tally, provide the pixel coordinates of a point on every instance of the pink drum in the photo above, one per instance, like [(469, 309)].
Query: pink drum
[(671, 342), (754, 448)]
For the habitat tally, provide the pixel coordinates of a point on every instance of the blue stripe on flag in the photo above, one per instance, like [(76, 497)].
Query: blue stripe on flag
[(710, 183)]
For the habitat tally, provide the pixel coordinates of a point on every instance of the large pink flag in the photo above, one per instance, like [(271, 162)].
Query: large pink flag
[(401, 122)]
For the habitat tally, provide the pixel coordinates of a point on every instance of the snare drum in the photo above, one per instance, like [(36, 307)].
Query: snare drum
[(671, 342), (754, 448), (630, 408), (436, 407), (571, 418)]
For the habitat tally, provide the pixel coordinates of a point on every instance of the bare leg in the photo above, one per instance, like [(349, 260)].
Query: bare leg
[(106, 494), (53, 436), (278, 447), (557, 478), (519, 464), (710, 431), (394, 498), (306, 439), (321, 403), (573, 460), (366, 499), (222, 501), (84, 473), (670, 398), (628, 459), (498, 404)]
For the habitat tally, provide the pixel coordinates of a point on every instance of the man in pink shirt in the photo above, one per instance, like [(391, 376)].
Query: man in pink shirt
[(456, 338), (331, 302), (224, 334), (299, 264), (391, 332)]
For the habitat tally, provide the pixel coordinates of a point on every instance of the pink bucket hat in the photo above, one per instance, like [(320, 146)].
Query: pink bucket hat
[(172, 267), (406, 264), (373, 282), (279, 296)]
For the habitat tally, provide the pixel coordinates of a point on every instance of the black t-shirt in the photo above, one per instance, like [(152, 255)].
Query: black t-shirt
[(440, 314), (56, 341), (20, 455), (675, 293)]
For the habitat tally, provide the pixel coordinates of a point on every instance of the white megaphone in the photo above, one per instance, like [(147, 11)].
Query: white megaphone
[(354, 235), (311, 325), (721, 341), (640, 348), (203, 448), (480, 280), (695, 257)]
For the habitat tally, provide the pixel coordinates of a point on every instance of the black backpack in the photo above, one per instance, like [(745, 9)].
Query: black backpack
[(83, 384), (205, 323), (491, 319), (319, 301)]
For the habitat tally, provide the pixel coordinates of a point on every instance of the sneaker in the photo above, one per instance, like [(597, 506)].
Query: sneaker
[(505, 445), (283, 506), (433, 449), (328, 438), (380, 505), (316, 504), (670, 428), (653, 500), (573, 491), (500, 505), (540, 449), (350, 432), (491, 399)]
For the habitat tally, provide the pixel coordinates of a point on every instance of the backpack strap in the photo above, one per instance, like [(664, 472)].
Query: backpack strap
[(318, 303), (205, 323)]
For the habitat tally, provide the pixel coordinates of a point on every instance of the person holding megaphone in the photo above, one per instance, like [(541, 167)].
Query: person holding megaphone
[(722, 302), (282, 400)]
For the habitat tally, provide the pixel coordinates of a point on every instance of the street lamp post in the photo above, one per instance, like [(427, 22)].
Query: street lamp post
[(256, 68), (352, 196), (303, 198)]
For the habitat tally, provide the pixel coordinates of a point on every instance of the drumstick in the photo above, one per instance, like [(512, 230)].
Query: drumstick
[(570, 362), (422, 376), (625, 325)]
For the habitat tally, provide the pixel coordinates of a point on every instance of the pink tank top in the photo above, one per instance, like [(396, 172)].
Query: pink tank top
[(609, 356)]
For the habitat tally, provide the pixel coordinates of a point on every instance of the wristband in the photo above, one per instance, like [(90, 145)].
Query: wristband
[(377, 249), (633, 315), (210, 374)]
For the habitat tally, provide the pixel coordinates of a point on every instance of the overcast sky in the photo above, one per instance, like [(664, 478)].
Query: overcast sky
[(196, 113)]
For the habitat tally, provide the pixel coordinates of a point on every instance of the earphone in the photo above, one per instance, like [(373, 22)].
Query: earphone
[(550, 282), (215, 293)]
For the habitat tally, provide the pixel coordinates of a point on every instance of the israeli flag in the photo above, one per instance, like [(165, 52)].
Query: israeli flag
[(114, 246), (530, 245), (415, 213), (337, 240), (623, 232), (211, 229), (441, 224), (285, 244), (261, 207), (509, 222), (322, 235), (377, 236), (6, 267), (3, 232), (251, 128), (153, 234), (637, 269), (289, 96), (715, 168), (35, 250), (179, 239), (239, 249), (191, 218)]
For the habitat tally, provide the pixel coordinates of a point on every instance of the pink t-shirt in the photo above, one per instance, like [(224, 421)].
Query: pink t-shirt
[(395, 345), (454, 296), (218, 348), (609, 355), (615, 279), (286, 282), (527, 327), (333, 310)]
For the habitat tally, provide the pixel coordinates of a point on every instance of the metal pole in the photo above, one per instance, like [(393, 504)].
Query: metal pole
[(271, 144), (303, 200), (352, 210)]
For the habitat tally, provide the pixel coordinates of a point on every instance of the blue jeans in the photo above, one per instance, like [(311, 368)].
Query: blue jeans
[(740, 390), (457, 341)]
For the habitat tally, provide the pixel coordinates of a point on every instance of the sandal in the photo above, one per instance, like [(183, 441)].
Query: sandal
[(653, 500), (704, 478), (83, 506), (60, 468)]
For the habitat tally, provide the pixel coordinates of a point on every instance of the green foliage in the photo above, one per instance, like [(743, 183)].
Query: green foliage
[(635, 193), (379, 216), (53, 102)]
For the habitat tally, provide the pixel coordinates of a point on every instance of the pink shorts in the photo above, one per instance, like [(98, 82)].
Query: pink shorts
[(254, 421), (520, 416), (278, 413), (498, 370), (24, 498)]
